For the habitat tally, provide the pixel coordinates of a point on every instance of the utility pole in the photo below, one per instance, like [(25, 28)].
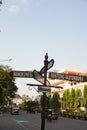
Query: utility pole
[(44, 94)]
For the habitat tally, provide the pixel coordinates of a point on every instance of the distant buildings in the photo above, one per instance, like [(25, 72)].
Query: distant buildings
[(68, 84), (19, 100)]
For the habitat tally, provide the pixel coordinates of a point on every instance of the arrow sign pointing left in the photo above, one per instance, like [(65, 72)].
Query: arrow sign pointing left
[(39, 77)]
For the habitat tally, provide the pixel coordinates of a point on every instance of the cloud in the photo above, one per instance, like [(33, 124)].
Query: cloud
[(13, 9), (15, 6)]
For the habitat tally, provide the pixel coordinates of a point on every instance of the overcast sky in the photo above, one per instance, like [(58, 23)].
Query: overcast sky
[(32, 28)]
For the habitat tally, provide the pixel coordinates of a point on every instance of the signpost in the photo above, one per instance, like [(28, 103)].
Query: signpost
[(46, 86), (53, 75), (70, 77), (24, 74), (37, 75), (44, 89), (49, 65)]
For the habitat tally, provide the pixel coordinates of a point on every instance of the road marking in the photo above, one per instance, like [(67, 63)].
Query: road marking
[(25, 121), (20, 123)]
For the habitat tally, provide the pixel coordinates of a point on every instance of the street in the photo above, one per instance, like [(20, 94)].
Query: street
[(27, 121)]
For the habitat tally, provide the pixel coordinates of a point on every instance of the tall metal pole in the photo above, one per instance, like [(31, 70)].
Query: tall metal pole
[(44, 94)]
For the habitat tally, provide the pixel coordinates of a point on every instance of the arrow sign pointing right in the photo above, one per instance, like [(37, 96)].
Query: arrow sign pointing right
[(50, 64)]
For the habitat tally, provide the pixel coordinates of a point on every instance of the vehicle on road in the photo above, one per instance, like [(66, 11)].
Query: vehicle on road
[(15, 109), (52, 114)]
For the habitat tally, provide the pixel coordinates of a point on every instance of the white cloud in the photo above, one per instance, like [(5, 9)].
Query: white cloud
[(13, 9)]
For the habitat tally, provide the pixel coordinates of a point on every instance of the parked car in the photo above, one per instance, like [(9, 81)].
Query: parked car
[(52, 114), (15, 109)]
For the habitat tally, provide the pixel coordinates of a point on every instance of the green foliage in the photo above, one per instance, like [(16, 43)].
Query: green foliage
[(31, 104), (2, 99), (8, 84), (50, 102), (76, 102), (85, 91), (71, 99), (66, 98), (54, 101), (78, 94), (85, 96)]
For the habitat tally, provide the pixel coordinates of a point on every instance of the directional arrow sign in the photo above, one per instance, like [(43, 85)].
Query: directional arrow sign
[(41, 88), (63, 76), (39, 77), (50, 64), (50, 86), (24, 74), (44, 89)]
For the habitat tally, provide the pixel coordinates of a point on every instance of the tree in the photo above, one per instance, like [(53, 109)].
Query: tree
[(66, 98), (2, 99), (48, 101), (72, 98), (78, 94), (55, 101), (7, 82), (85, 96), (31, 106), (31, 103)]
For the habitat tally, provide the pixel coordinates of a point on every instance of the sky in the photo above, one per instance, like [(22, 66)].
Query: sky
[(32, 28)]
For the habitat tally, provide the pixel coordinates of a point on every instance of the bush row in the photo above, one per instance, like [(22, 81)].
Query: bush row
[(75, 114)]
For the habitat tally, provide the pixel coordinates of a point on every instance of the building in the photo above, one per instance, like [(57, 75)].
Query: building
[(67, 84)]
